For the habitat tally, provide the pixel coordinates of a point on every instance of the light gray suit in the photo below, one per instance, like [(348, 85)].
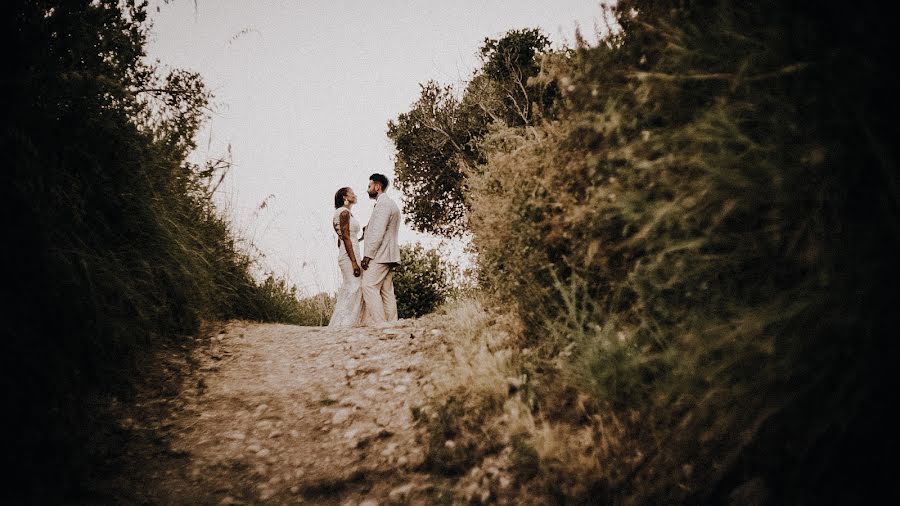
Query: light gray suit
[(384, 250), (381, 232)]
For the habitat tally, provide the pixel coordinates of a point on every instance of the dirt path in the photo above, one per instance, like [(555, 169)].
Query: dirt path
[(281, 414)]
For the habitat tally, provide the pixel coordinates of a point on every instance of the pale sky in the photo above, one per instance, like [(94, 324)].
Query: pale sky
[(304, 90)]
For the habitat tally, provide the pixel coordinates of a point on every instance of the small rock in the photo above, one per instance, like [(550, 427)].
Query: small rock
[(402, 461), (402, 492), (265, 452), (341, 416), (275, 433), (450, 444), (471, 491), (505, 482), (436, 332), (400, 389), (294, 433), (295, 489), (254, 448), (237, 436), (369, 502), (230, 501), (349, 401)]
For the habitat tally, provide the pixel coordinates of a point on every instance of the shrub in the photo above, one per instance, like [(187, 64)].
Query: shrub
[(422, 281), (115, 244), (704, 231)]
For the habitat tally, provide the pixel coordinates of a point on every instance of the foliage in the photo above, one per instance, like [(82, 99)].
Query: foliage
[(437, 141), (115, 243), (276, 301), (422, 281), (699, 238), (433, 142)]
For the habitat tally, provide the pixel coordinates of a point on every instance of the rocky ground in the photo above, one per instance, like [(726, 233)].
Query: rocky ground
[(282, 414)]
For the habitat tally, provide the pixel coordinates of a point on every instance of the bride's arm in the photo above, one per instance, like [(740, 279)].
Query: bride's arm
[(345, 237)]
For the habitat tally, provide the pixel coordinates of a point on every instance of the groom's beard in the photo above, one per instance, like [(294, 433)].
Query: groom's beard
[(372, 195)]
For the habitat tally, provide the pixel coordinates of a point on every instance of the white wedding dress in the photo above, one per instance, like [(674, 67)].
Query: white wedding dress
[(348, 309)]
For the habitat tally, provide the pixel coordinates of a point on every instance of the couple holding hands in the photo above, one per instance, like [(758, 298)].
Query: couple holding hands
[(366, 296)]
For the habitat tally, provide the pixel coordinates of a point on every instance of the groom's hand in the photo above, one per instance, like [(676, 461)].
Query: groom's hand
[(365, 263)]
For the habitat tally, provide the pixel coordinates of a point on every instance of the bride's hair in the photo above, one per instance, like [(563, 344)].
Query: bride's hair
[(339, 196)]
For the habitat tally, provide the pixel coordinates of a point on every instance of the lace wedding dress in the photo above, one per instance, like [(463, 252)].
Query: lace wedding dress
[(348, 309)]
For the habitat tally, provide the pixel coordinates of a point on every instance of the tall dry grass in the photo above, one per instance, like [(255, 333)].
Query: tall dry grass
[(116, 249), (698, 243)]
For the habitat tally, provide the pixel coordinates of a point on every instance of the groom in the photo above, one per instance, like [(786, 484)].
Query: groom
[(381, 254)]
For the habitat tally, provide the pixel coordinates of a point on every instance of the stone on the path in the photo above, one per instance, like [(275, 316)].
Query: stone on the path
[(230, 501), (369, 502), (402, 492), (236, 435), (389, 449), (383, 419), (400, 389), (341, 416)]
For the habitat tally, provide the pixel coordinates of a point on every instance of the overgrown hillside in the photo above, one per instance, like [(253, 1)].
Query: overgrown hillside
[(114, 245), (695, 221)]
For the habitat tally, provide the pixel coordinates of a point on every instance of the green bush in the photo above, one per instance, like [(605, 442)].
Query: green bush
[(278, 302), (705, 226), (115, 244), (422, 281)]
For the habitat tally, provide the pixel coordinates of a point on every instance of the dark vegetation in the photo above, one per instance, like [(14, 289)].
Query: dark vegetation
[(114, 244), (423, 281), (696, 220)]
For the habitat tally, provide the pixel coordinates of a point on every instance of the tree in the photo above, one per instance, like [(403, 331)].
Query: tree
[(438, 140), (422, 281)]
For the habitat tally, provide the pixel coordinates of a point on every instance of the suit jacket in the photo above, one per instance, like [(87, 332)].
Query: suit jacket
[(381, 232)]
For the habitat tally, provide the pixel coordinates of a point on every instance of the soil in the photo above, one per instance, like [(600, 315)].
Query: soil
[(280, 414)]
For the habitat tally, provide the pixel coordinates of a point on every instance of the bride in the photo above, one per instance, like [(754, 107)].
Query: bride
[(348, 309)]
